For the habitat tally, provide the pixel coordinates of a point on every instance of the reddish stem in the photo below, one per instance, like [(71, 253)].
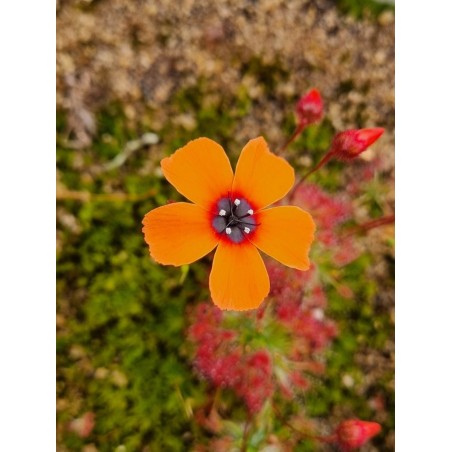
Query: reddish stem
[(372, 224), (322, 439), (297, 132), (322, 162), (378, 222)]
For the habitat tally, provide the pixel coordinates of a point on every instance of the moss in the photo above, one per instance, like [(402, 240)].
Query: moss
[(360, 9)]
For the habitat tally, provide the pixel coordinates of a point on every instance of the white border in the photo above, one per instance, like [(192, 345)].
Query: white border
[(27, 225), (423, 226)]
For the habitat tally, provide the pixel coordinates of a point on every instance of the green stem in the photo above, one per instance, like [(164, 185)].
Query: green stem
[(246, 432)]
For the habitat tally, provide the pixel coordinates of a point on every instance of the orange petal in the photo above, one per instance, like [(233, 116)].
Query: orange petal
[(178, 233), (200, 171), (285, 233), (239, 279), (261, 175)]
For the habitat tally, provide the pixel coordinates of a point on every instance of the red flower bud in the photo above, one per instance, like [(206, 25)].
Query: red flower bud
[(310, 108), (349, 144), (353, 433)]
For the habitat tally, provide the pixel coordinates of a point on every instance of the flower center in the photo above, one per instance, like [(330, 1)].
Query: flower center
[(234, 218)]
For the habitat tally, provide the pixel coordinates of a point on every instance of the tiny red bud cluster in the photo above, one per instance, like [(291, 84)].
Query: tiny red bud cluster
[(309, 108), (330, 213), (353, 433), (349, 144), (297, 309), (256, 384), (220, 358)]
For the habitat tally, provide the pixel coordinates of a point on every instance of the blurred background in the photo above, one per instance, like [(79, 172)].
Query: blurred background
[(135, 81)]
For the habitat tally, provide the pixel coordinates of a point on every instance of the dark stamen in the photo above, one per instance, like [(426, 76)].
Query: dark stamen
[(250, 224), (236, 221)]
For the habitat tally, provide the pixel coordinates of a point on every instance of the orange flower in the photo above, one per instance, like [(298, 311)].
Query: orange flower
[(229, 212)]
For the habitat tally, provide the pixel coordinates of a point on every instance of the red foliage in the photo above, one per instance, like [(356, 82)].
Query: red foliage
[(221, 357), (256, 384), (329, 212)]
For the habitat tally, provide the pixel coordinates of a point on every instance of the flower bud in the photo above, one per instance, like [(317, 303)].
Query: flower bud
[(349, 144), (353, 433), (309, 108)]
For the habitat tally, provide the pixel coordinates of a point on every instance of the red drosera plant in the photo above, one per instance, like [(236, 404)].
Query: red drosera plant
[(256, 384), (330, 212), (228, 348), (220, 358)]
